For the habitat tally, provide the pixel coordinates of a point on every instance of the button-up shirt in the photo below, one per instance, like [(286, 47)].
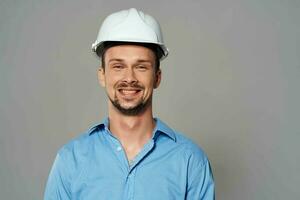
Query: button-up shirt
[(94, 166)]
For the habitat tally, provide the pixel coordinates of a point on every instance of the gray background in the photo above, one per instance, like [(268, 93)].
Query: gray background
[(231, 83)]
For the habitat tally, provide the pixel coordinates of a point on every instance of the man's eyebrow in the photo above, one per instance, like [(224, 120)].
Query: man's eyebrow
[(142, 60), (121, 60), (115, 59)]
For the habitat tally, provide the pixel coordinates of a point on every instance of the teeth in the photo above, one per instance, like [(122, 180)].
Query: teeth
[(129, 91)]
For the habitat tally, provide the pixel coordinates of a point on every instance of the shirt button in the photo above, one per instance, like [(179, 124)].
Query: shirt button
[(119, 148)]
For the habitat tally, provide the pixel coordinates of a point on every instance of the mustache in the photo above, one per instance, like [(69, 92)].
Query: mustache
[(133, 85)]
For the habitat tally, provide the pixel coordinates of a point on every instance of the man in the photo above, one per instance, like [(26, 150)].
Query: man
[(130, 155)]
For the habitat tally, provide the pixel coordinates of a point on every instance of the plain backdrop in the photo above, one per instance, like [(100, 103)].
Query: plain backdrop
[(231, 83)]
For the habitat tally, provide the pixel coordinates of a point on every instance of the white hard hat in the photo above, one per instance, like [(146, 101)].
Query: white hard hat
[(130, 26)]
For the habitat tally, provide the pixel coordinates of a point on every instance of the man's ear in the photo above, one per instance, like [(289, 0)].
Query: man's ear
[(157, 78), (101, 76)]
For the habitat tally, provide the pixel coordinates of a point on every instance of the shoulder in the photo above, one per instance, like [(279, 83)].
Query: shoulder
[(77, 149), (188, 147), (68, 164), (78, 143), (192, 150)]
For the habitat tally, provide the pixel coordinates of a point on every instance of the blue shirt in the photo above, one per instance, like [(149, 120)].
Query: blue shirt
[(94, 166)]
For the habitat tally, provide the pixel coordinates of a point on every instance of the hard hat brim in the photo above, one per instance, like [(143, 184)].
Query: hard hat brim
[(100, 47)]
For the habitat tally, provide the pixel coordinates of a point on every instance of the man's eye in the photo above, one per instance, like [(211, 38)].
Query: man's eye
[(117, 66), (141, 67)]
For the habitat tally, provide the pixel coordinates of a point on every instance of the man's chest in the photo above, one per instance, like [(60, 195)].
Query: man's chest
[(152, 175)]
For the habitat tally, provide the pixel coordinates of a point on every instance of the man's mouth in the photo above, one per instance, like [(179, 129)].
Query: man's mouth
[(129, 91)]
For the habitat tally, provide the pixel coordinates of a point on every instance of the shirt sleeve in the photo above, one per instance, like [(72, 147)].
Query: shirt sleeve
[(58, 184), (200, 182)]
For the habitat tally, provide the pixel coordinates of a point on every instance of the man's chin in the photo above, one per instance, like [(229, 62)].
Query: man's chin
[(130, 109), (129, 106)]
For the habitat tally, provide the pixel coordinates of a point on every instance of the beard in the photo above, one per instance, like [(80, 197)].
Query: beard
[(137, 109), (131, 111)]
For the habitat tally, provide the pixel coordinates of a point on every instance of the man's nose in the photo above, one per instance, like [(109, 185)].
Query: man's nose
[(129, 75)]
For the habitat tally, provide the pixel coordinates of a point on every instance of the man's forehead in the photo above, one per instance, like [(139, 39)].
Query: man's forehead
[(123, 60), (129, 52)]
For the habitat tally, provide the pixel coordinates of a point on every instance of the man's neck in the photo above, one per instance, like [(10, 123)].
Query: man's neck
[(132, 131)]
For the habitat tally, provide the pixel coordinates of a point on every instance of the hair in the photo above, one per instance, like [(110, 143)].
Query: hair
[(154, 47)]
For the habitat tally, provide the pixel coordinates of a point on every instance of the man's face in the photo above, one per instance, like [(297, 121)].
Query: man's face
[(129, 77)]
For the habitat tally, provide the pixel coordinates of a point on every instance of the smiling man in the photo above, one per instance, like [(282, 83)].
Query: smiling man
[(131, 154)]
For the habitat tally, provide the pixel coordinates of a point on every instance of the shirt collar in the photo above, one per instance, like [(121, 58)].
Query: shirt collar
[(160, 127), (102, 124)]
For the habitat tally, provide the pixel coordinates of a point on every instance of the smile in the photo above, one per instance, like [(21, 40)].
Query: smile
[(129, 91)]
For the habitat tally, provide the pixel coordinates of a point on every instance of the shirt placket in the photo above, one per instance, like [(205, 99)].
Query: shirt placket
[(130, 181), (130, 169), (118, 151)]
